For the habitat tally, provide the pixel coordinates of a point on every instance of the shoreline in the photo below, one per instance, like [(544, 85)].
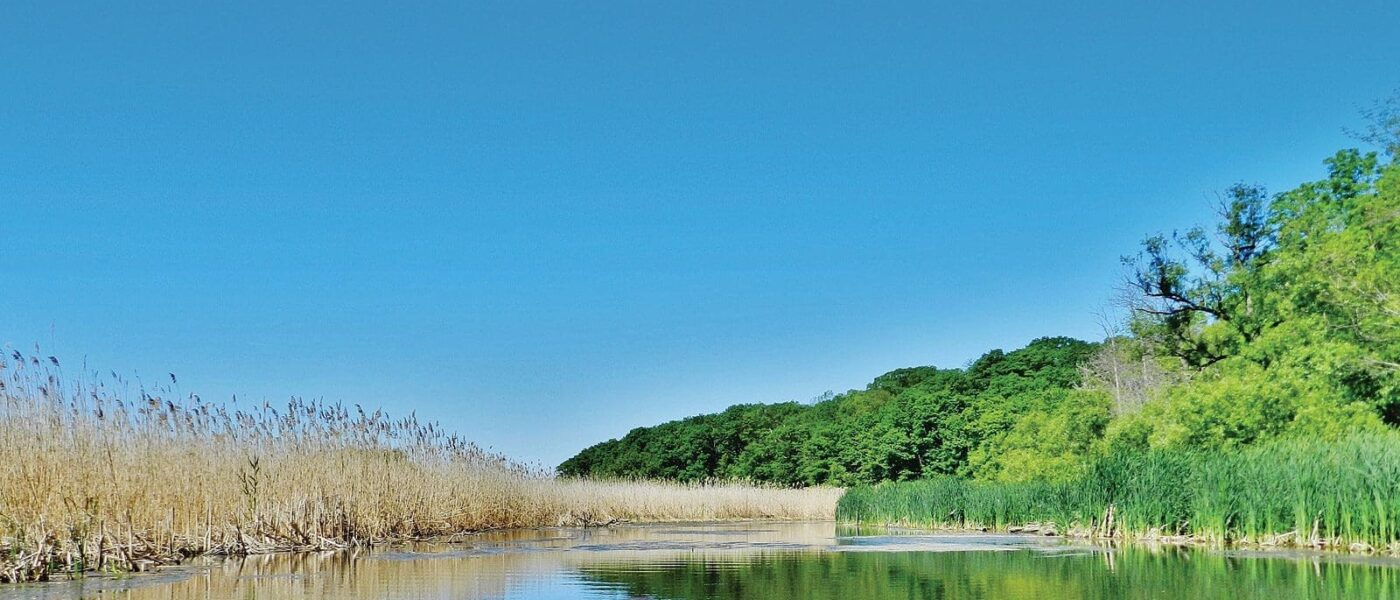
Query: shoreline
[(1275, 549), (150, 559), (1276, 544)]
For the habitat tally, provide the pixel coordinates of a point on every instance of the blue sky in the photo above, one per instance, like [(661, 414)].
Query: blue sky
[(547, 223)]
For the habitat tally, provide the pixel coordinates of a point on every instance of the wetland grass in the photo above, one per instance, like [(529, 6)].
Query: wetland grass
[(1301, 493), (99, 473)]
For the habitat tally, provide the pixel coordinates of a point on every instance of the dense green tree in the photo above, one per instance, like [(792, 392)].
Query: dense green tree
[(1281, 319), (907, 424), (1292, 329)]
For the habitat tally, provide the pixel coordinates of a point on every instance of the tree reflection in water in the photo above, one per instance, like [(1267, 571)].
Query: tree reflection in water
[(772, 561)]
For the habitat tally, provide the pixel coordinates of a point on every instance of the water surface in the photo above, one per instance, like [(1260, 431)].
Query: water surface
[(770, 561)]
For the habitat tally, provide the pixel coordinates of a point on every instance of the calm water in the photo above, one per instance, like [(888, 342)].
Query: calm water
[(755, 560)]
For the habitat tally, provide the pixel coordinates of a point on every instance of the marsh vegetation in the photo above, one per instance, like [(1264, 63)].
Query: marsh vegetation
[(104, 474), (1297, 493)]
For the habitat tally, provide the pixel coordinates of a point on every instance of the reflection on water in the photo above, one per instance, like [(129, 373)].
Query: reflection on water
[(755, 560)]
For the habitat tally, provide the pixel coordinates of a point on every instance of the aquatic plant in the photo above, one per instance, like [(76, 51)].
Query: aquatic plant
[(105, 473), (1296, 492)]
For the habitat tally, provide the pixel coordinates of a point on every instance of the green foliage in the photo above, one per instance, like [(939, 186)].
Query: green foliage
[(698, 448), (1293, 327), (1282, 321), (1337, 492), (907, 424), (1047, 439)]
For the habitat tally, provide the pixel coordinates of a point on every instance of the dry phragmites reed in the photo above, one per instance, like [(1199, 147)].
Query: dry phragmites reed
[(95, 480)]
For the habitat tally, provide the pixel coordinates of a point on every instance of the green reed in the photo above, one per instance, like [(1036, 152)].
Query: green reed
[(1291, 492)]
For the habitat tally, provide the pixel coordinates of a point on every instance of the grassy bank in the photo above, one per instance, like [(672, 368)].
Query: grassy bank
[(1338, 495), (99, 473)]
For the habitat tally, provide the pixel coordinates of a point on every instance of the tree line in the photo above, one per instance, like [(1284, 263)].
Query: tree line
[(1281, 319)]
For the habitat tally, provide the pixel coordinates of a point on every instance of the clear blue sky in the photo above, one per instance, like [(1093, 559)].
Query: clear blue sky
[(545, 224)]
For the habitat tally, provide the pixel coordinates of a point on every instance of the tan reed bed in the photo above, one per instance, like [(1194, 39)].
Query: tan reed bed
[(99, 474)]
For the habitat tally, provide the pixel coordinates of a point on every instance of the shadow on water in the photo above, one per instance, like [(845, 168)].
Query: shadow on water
[(756, 560)]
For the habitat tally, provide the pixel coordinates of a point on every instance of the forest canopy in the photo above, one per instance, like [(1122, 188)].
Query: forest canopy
[(906, 424), (1280, 319)]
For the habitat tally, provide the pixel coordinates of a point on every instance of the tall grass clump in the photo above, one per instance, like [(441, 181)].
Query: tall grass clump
[(102, 473), (1295, 492)]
